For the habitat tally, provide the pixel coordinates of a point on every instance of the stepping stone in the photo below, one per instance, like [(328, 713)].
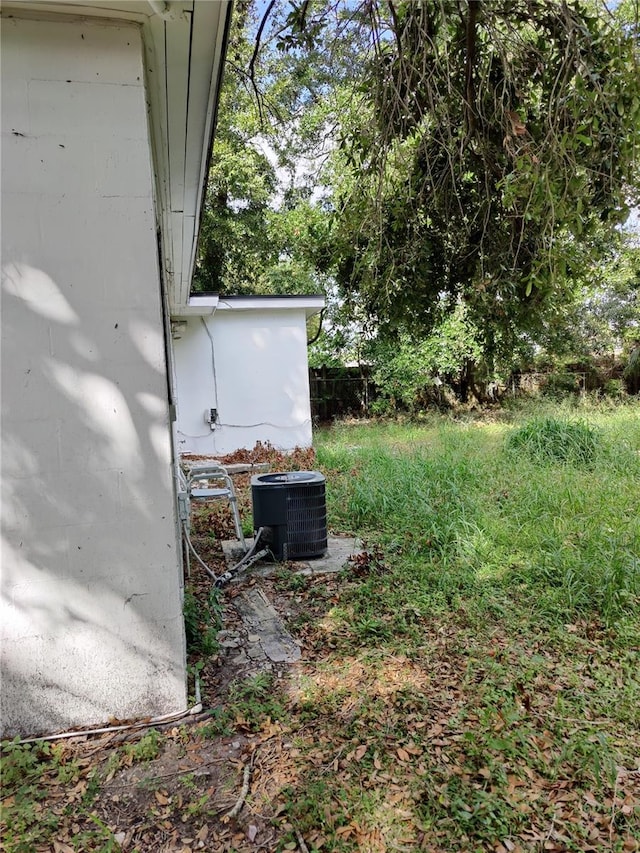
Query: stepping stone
[(260, 619)]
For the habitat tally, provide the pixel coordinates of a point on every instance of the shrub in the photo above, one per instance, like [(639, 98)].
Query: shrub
[(614, 388), (560, 385)]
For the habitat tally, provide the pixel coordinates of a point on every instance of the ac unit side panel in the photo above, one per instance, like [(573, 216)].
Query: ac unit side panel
[(269, 507)]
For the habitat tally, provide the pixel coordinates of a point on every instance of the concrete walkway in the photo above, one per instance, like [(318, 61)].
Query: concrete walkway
[(266, 635), (267, 639)]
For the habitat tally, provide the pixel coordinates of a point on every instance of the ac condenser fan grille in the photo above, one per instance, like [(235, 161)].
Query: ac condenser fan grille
[(293, 506), (306, 521)]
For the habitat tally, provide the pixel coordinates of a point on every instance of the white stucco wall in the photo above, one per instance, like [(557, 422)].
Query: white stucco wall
[(252, 367), (91, 619)]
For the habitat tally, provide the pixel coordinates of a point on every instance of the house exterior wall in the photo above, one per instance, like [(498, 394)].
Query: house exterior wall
[(251, 366), (92, 623)]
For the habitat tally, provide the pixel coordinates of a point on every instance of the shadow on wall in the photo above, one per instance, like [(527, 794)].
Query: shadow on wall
[(91, 591)]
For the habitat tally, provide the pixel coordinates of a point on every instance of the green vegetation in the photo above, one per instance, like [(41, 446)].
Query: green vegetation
[(465, 511), (202, 621), (145, 749), (553, 440), (469, 682), (463, 224), (260, 232), (481, 182), (253, 701), (29, 819), (250, 704), (482, 691)]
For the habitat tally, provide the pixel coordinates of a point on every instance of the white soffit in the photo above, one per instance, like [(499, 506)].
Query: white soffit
[(184, 42), (203, 304), (198, 305)]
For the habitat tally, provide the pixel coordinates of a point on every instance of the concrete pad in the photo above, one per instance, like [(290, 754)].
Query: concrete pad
[(233, 551), (339, 549)]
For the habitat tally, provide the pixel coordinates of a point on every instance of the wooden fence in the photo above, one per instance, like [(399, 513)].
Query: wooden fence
[(339, 392), (342, 391)]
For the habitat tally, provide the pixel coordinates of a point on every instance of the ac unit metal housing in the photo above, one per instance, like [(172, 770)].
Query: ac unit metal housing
[(293, 505)]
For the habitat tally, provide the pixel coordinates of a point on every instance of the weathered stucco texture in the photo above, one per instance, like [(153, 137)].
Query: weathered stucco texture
[(91, 589)]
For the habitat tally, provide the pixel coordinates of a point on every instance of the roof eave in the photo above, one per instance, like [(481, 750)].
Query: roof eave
[(203, 304), (190, 56)]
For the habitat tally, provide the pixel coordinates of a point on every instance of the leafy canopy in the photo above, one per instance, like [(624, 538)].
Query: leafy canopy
[(493, 147), (477, 155)]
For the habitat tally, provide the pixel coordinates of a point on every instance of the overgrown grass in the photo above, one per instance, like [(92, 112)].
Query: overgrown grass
[(555, 440), (467, 510), (482, 692)]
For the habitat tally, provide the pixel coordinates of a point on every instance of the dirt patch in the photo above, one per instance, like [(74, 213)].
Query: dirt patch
[(167, 803), (179, 800)]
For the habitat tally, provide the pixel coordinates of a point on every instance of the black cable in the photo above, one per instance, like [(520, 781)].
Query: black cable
[(213, 362), (317, 334)]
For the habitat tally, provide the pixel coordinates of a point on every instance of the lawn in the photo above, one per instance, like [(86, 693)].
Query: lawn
[(496, 630), (471, 683)]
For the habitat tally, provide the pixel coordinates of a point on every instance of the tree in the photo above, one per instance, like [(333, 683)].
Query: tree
[(606, 314), (414, 373), (496, 139), (475, 156), (234, 243), (260, 231)]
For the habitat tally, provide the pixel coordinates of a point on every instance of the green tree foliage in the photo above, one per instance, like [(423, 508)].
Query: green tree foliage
[(475, 159), (260, 232), (415, 373), (595, 330), (608, 317), (494, 141), (234, 242)]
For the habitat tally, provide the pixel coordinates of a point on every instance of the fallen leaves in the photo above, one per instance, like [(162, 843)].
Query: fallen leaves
[(408, 752), (359, 752), (433, 743)]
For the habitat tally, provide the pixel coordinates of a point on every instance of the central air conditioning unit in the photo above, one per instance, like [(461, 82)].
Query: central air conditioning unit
[(293, 506)]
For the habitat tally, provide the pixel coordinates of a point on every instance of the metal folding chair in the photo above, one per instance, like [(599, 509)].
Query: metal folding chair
[(212, 482)]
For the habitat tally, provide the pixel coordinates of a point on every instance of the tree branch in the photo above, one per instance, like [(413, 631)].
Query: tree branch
[(472, 18), (256, 47), (235, 811), (252, 62)]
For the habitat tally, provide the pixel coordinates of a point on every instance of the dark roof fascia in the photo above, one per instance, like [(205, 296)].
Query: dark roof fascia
[(261, 296)]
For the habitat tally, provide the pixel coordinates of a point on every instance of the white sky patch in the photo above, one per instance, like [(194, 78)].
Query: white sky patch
[(306, 169), (632, 225)]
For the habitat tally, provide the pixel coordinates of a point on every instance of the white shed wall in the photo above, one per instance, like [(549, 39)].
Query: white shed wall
[(252, 367), (92, 622)]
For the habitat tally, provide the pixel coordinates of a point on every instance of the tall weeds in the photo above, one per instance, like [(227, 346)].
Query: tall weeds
[(544, 511)]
